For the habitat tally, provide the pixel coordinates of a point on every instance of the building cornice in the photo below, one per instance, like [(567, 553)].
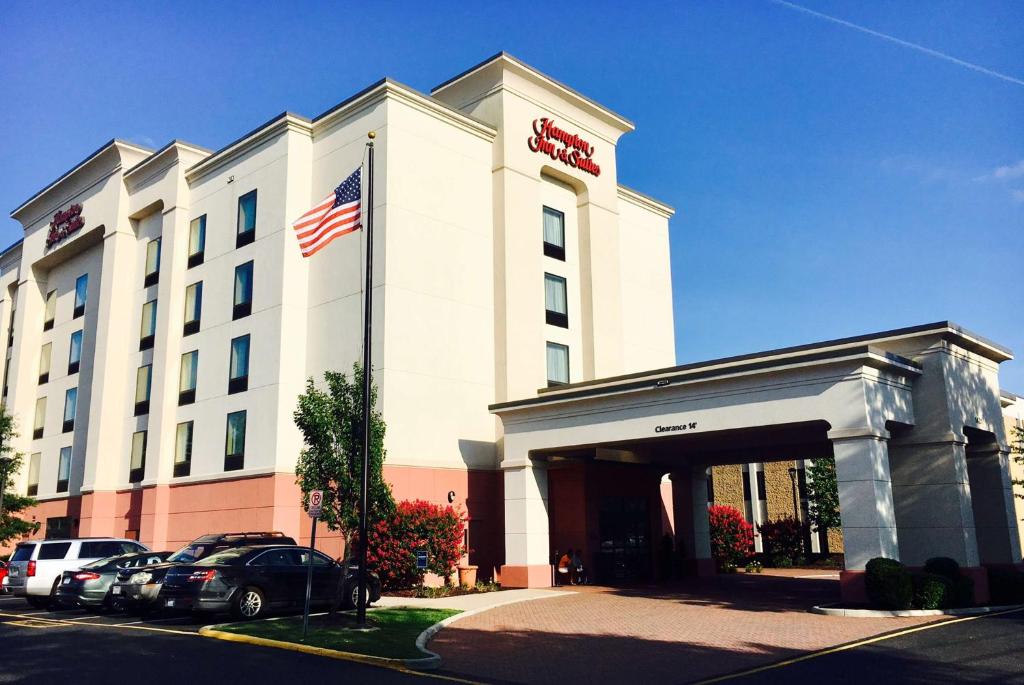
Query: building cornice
[(282, 123), (645, 201), (522, 68), (114, 143), (171, 150)]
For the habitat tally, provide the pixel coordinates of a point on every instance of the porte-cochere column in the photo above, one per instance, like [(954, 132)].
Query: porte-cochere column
[(527, 562), (865, 503)]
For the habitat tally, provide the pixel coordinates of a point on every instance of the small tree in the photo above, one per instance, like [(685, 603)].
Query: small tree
[(417, 525), (732, 538), (331, 421), (783, 540), (823, 497), (11, 526)]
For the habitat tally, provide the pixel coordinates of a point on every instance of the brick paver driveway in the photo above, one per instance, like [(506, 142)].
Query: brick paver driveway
[(673, 633)]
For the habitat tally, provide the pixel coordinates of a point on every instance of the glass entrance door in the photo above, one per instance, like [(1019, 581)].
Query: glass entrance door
[(624, 527)]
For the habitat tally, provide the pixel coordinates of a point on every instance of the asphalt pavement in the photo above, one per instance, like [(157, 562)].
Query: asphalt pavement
[(987, 649), (73, 646)]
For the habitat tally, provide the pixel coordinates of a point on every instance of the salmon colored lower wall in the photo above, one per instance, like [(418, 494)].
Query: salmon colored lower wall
[(167, 517)]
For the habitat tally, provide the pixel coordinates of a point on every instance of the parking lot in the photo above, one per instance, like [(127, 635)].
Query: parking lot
[(16, 612), (74, 646)]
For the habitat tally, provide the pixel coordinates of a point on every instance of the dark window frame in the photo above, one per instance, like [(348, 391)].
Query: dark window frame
[(184, 468), (239, 383), (136, 475), (196, 258), (146, 341), (153, 278), (243, 238), (80, 307), (62, 485), (236, 461), (568, 362), (551, 249), (554, 318), (243, 309), (193, 326), (73, 366)]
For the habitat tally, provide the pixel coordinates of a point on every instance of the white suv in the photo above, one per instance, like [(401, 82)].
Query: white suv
[(36, 566)]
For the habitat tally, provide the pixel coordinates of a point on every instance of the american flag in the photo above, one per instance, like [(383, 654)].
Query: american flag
[(332, 217)]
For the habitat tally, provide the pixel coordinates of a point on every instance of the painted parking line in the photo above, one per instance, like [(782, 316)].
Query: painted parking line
[(121, 626), (851, 645)]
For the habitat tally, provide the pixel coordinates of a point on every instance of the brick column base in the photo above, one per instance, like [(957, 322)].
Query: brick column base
[(851, 587), (526, 576)]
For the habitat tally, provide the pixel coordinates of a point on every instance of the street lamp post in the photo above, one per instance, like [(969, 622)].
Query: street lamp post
[(796, 502)]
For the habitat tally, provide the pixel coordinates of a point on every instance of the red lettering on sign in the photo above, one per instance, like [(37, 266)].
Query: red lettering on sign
[(64, 224), (574, 151)]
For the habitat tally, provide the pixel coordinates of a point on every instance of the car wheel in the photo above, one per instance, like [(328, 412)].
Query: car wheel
[(53, 603), (352, 600), (249, 603)]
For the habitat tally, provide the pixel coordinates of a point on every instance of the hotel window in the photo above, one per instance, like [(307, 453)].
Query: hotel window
[(33, 474), (147, 331), (81, 295), (137, 463), (75, 354), (40, 420), (44, 365), (152, 262), (246, 219), (187, 378), (183, 450), (70, 409), (558, 364), (7, 373), (554, 233), (555, 305), (51, 310), (193, 307), (238, 378), (143, 381), (196, 241), (234, 449), (243, 291), (10, 325), (64, 469)]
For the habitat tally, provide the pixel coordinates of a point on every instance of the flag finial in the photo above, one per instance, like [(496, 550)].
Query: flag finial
[(371, 135)]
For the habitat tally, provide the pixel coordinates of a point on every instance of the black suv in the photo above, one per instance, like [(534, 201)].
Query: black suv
[(138, 588)]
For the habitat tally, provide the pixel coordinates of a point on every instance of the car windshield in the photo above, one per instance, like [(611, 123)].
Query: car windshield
[(227, 556), (192, 552)]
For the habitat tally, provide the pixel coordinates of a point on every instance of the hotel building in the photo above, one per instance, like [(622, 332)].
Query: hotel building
[(160, 323)]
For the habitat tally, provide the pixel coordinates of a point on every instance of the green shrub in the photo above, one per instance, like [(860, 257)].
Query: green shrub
[(888, 584), (932, 591), (963, 592), (1006, 586), (781, 562), (943, 566), (783, 538)]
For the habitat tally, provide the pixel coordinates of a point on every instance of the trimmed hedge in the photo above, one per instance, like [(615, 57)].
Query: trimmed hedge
[(1006, 586), (888, 584), (943, 566), (932, 591)]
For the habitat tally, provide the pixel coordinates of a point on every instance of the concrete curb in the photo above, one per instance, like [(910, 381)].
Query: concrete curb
[(831, 610), (433, 660), (398, 664)]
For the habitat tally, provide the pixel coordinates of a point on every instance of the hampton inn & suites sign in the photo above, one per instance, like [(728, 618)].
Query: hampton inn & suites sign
[(559, 144), (64, 224)]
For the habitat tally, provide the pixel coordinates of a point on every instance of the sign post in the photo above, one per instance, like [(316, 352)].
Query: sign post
[(316, 502)]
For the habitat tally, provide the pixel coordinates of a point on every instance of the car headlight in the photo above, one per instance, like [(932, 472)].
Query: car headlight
[(141, 578)]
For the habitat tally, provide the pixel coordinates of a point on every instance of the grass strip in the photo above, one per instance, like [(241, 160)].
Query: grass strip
[(394, 637)]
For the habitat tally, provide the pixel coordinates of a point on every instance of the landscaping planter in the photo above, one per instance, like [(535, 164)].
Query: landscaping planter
[(467, 576)]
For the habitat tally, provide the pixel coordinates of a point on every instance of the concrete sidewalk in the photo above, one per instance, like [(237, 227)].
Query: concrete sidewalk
[(476, 602)]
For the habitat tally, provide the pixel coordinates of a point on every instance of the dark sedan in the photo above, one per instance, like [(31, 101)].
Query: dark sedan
[(251, 581), (90, 586)]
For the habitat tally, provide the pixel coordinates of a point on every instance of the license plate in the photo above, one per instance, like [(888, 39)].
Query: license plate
[(170, 603), (116, 590), (14, 571), (67, 581)]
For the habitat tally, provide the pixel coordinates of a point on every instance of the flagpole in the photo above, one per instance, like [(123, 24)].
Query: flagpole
[(367, 385)]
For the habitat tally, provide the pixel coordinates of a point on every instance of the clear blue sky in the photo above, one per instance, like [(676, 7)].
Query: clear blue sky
[(828, 182)]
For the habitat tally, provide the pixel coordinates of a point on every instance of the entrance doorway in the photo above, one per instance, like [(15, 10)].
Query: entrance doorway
[(625, 534)]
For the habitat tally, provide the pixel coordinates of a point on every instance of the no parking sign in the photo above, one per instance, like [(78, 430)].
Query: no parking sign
[(316, 503)]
